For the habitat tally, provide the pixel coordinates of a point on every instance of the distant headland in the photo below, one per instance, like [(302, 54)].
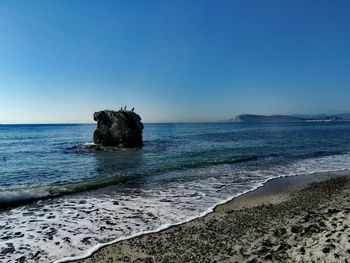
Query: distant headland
[(289, 118)]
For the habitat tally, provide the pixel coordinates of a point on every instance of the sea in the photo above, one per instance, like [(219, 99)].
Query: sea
[(59, 200)]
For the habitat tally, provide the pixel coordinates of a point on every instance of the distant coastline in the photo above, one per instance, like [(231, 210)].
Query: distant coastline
[(288, 118)]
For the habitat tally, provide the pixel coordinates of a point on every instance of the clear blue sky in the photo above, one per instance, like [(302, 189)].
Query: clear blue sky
[(172, 60)]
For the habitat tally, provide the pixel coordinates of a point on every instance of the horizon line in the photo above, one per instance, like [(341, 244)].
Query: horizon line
[(87, 123), (170, 122)]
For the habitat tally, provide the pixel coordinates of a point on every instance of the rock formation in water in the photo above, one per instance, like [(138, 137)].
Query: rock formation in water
[(122, 129)]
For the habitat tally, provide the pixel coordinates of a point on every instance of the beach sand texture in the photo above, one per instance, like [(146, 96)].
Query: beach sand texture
[(284, 221)]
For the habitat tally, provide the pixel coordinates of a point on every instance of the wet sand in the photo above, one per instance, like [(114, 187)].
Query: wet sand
[(291, 219)]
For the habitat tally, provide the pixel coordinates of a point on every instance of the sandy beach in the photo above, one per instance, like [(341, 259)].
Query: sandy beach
[(291, 219)]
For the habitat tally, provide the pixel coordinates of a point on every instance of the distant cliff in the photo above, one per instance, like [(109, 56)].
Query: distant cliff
[(285, 118)]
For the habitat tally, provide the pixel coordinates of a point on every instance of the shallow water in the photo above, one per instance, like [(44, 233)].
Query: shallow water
[(183, 170)]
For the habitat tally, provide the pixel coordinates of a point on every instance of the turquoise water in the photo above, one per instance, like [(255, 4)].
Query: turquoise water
[(47, 177)]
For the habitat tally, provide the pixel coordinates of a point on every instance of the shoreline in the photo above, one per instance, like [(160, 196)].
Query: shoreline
[(271, 192)]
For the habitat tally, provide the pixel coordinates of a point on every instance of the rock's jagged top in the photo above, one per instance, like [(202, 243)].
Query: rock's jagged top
[(122, 129)]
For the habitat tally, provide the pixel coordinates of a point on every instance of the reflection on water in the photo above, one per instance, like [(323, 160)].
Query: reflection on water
[(118, 163)]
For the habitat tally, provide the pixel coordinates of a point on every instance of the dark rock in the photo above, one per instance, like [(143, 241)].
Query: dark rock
[(67, 240), (313, 228), (51, 233), (283, 247), (295, 229), (333, 211), (122, 129), (307, 218), (8, 250), (266, 243), (19, 234), (283, 231), (37, 254), (264, 250), (21, 259), (86, 240), (326, 249)]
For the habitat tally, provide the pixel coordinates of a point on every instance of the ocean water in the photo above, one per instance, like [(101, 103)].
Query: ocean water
[(59, 200)]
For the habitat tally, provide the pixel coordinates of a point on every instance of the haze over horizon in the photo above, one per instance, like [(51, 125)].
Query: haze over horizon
[(174, 61)]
